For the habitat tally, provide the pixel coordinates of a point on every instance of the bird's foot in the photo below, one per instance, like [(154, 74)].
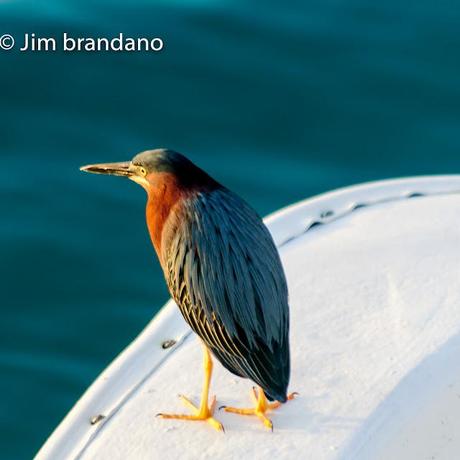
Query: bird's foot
[(262, 406), (204, 413)]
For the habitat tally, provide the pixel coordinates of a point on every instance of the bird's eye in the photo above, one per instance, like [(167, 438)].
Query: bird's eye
[(143, 171)]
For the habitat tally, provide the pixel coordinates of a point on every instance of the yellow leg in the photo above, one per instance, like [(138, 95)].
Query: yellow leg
[(203, 412), (262, 405)]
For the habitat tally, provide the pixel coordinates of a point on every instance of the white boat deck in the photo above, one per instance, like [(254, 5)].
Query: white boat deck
[(375, 342)]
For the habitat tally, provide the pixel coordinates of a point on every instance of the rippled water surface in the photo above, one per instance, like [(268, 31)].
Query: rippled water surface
[(277, 102)]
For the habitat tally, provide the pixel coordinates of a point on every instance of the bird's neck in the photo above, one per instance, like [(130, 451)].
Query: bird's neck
[(163, 198), (166, 197)]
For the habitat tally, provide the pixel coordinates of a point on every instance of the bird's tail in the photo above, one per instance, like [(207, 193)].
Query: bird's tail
[(275, 383)]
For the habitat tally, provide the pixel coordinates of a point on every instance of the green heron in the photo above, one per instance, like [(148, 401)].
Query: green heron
[(224, 272)]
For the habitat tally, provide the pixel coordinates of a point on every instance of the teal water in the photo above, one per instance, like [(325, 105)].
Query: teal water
[(277, 102)]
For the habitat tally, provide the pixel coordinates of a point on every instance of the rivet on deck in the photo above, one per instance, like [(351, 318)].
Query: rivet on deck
[(168, 344)]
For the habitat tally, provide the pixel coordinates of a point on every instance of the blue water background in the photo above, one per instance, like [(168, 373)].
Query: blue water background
[(277, 100)]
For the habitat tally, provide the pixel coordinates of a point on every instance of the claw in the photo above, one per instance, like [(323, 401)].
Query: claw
[(205, 410), (262, 406)]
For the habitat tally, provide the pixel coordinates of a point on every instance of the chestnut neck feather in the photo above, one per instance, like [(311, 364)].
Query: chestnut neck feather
[(164, 196)]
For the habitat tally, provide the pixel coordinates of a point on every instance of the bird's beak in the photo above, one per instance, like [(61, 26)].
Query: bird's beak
[(113, 169)]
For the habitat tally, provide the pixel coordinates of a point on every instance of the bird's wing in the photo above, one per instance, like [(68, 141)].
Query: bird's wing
[(224, 271)]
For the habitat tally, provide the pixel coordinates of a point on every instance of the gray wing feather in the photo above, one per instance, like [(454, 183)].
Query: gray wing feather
[(225, 274)]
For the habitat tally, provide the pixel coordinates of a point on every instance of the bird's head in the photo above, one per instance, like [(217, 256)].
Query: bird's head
[(149, 169), (167, 176)]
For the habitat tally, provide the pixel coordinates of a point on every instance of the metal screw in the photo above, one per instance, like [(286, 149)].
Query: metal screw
[(168, 344), (96, 419)]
